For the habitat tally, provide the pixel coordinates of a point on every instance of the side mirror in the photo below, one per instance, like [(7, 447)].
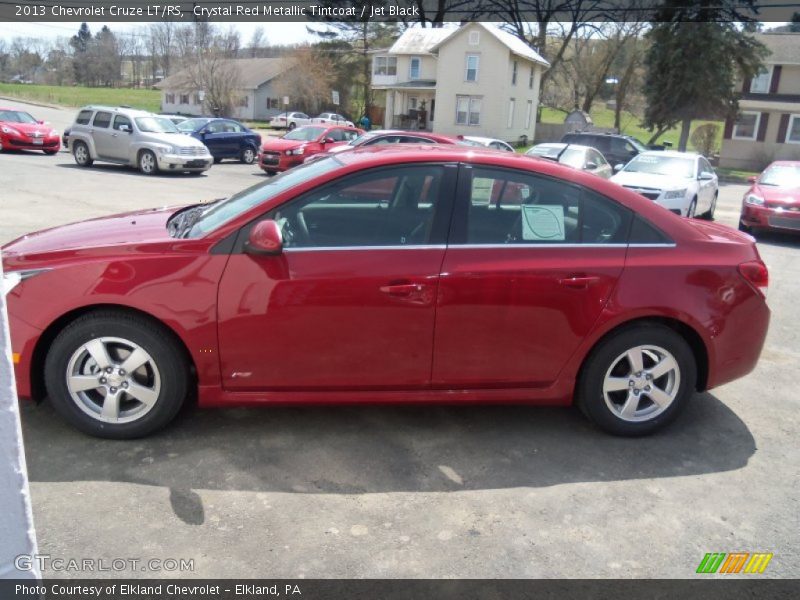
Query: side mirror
[(751, 179), (590, 166), (618, 167), (125, 128), (705, 176), (265, 239), (40, 122)]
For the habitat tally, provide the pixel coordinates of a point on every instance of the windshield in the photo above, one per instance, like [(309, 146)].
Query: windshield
[(190, 125), (637, 144), (155, 125), (16, 116), (227, 210), (572, 157), (785, 176), (305, 134), (673, 166)]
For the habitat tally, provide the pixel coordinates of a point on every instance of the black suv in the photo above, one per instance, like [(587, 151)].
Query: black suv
[(617, 148)]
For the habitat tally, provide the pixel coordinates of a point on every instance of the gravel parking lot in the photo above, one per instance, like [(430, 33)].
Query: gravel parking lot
[(411, 491)]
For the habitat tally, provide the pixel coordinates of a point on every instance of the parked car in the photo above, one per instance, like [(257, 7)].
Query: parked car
[(20, 131), (175, 118), (368, 277), (127, 136), (616, 148), (225, 138), (289, 120), (773, 200), (329, 118), (572, 155), (279, 154), (65, 139), (489, 143), (391, 136), (683, 182)]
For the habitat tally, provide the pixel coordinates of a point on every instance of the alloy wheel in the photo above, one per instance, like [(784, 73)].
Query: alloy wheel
[(81, 154), (248, 156), (641, 383), (147, 163), (113, 380)]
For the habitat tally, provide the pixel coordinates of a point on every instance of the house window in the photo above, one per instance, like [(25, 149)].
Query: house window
[(746, 126), (514, 73), (528, 114), (511, 105), (471, 73), (760, 83), (531, 78), (474, 38), (413, 67), (169, 98), (468, 110), (244, 101), (184, 98), (793, 132), (196, 100), (385, 65), (412, 104)]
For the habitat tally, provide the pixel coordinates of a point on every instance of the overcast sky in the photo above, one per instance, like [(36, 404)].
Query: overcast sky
[(276, 33)]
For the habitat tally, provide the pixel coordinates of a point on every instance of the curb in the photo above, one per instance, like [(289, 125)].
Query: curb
[(34, 103)]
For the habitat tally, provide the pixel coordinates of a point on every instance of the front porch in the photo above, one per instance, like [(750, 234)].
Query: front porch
[(411, 108)]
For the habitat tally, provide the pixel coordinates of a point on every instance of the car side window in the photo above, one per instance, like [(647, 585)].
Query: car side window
[(516, 207), (213, 128), (120, 121), (705, 167), (387, 139), (603, 144), (386, 207), (231, 127), (350, 135), (102, 120), (337, 135), (411, 139), (84, 117), (597, 158)]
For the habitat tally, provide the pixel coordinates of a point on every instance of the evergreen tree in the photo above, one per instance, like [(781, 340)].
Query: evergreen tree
[(80, 45)]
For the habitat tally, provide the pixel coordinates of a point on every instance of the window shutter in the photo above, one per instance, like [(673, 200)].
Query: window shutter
[(776, 79), (728, 128), (746, 84), (783, 127), (762, 127)]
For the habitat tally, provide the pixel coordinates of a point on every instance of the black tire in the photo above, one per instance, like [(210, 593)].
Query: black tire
[(217, 160), (156, 341), (590, 396), (50, 152), (248, 155), (292, 126), (147, 162), (271, 173), (746, 229), (81, 154), (692, 210), (709, 215)]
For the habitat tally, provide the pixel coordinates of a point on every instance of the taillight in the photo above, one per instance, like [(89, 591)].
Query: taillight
[(756, 274)]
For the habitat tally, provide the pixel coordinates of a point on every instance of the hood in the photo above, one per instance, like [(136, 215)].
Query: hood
[(776, 195), (117, 230), (29, 128), (173, 139), (648, 180), (280, 144)]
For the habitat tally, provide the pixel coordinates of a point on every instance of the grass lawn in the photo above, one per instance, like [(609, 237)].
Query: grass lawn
[(604, 117), (76, 96), (735, 175)]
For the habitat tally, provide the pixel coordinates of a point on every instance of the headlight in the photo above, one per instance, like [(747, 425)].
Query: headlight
[(12, 279), (296, 152), (753, 199), (10, 130), (165, 149), (673, 194)]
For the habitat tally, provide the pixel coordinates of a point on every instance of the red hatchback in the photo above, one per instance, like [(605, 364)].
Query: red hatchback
[(406, 274), (280, 154), (773, 200), (20, 131)]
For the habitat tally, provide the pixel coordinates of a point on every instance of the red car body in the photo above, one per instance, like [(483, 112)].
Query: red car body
[(280, 154), (441, 322), (20, 131), (389, 137), (773, 200)]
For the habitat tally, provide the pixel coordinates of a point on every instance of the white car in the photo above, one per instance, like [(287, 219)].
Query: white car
[(683, 182), (489, 143), (290, 120), (329, 118)]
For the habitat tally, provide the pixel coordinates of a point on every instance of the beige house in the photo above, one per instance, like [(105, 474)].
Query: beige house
[(768, 126), (472, 80), (256, 98)]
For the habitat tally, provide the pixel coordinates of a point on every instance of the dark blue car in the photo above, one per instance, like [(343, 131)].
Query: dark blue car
[(225, 138)]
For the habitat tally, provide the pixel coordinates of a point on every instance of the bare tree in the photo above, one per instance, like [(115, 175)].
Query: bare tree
[(162, 46), (308, 83), (257, 42)]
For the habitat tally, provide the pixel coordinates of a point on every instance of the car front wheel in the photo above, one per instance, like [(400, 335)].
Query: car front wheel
[(637, 380), (80, 152), (147, 162), (690, 212), (248, 155), (116, 375)]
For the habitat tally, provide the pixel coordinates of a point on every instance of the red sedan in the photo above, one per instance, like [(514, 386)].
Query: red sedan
[(280, 154), (20, 131), (406, 274), (773, 200)]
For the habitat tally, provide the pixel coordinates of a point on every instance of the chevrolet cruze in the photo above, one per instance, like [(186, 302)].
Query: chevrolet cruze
[(400, 274)]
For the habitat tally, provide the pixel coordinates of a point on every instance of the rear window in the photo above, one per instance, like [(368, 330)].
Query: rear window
[(643, 232), (84, 117)]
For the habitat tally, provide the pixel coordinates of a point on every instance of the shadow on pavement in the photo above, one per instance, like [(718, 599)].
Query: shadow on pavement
[(778, 238), (115, 169)]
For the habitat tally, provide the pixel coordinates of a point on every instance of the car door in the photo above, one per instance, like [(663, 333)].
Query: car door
[(530, 264), (350, 302), (101, 133), (235, 138), (707, 187), (601, 166), (120, 144)]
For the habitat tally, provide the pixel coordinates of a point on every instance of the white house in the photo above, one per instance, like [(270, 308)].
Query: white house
[(257, 98), (473, 80)]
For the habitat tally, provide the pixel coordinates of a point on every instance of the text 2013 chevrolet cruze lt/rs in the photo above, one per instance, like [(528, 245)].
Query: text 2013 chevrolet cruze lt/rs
[(402, 274)]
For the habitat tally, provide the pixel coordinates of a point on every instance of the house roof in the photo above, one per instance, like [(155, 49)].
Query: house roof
[(784, 47), (510, 41), (253, 72), (420, 40)]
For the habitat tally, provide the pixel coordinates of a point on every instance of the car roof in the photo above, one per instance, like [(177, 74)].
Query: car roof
[(561, 145), (670, 153), (122, 109)]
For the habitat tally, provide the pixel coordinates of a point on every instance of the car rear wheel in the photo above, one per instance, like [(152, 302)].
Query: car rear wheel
[(292, 126), (248, 155), (147, 162), (116, 375), (217, 160), (638, 380), (80, 151)]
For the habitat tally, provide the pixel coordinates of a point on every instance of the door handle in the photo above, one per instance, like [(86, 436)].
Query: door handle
[(579, 282), (402, 290)]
